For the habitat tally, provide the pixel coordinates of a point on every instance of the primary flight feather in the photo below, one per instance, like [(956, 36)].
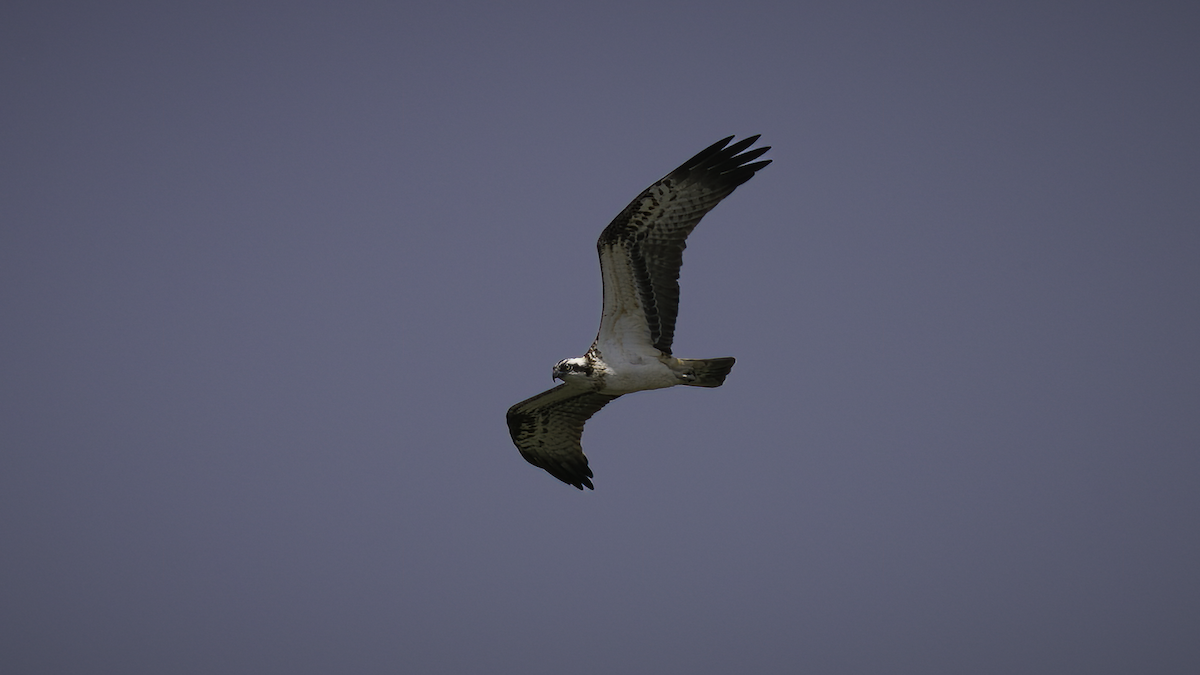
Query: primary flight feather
[(641, 252)]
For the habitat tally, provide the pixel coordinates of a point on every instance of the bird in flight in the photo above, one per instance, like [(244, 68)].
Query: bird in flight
[(641, 252)]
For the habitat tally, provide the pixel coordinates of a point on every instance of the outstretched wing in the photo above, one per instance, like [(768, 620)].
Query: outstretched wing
[(641, 251), (547, 429)]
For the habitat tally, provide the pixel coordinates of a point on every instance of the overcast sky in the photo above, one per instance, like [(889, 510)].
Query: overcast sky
[(271, 274)]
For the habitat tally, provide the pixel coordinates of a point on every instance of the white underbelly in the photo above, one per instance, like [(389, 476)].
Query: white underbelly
[(639, 375)]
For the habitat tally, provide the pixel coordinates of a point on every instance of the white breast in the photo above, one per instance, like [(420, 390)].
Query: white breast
[(629, 372)]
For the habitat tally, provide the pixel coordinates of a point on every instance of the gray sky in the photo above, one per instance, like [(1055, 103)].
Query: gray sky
[(271, 278)]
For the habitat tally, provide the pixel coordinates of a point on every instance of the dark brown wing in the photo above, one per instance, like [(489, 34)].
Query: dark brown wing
[(643, 246), (547, 429)]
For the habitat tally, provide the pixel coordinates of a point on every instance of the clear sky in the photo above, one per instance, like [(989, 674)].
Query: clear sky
[(271, 274)]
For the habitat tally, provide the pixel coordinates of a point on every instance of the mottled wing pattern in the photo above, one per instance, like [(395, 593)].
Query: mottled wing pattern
[(547, 429), (650, 234)]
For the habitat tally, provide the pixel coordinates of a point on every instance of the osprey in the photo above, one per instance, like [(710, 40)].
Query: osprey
[(641, 252)]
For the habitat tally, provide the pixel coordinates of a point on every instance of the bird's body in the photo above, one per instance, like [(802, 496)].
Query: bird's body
[(641, 252)]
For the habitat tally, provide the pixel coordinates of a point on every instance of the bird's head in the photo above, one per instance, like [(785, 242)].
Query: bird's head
[(577, 370)]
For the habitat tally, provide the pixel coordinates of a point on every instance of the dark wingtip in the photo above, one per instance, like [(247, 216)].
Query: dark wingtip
[(706, 153), (577, 484), (740, 145), (728, 162)]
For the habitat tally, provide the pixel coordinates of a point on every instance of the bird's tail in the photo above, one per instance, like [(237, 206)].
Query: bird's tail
[(707, 372)]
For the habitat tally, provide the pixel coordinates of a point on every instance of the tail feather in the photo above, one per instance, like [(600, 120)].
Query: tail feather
[(707, 372)]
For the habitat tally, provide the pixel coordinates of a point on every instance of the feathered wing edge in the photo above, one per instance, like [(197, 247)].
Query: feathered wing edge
[(548, 429), (725, 162), (653, 228)]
